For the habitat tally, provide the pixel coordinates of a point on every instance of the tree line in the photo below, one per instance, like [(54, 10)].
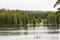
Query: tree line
[(24, 18)]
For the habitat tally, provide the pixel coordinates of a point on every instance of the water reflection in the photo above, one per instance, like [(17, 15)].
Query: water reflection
[(37, 33), (28, 30)]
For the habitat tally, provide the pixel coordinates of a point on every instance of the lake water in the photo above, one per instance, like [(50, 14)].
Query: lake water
[(30, 33)]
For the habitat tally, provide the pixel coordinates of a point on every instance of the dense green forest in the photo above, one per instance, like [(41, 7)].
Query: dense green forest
[(23, 18)]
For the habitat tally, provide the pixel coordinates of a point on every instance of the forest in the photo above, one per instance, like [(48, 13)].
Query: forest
[(17, 18)]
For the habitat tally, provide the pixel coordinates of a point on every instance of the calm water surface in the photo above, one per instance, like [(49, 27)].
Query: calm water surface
[(30, 33)]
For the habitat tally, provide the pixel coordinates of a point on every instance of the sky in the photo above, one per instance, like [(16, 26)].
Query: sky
[(34, 5)]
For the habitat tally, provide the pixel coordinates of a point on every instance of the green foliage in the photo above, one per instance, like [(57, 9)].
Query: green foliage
[(17, 17), (51, 18)]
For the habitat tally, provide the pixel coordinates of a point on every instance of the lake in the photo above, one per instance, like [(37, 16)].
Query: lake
[(30, 33)]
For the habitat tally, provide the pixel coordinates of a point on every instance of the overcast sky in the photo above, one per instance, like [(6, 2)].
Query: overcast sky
[(45, 5)]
